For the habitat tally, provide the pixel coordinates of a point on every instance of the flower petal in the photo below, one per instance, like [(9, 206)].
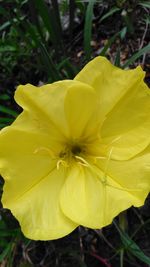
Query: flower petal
[(82, 198), (110, 82), (81, 109), (46, 104), (131, 174), (60, 106), (38, 209), (127, 127), (24, 158), (92, 202)]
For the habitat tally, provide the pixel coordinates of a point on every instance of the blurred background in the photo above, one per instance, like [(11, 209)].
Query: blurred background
[(42, 41)]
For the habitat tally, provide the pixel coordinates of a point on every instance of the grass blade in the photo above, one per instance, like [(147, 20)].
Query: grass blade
[(6, 120), (117, 59), (8, 111), (50, 22), (49, 65), (4, 97), (108, 44), (88, 28), (145, 4), (5, 252), (144, 50), (69, 69), (110, 13), (122, 34), (131, 246)]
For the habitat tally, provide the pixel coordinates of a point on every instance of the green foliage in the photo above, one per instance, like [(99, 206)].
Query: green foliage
[(131, 60), (145, 4), (88, 29), (130, 246), (7, 115), (112, 11)]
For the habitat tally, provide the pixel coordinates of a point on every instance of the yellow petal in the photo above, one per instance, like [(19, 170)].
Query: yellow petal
[(119, 198), (127, 127), (110, 82), (131, 174), (82, 198), (45, 103), (81, 110), (24, 158), (92, 202), (38, 209), (59, 106)]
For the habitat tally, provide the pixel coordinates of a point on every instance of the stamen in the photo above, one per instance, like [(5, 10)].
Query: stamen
[(96, 158), (106, 167), (44, 149), (61, 162), (82, 164), (83, 161), (100, 157)]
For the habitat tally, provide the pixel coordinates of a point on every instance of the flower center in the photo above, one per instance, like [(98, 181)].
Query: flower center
[(71, 153), (76, 150)]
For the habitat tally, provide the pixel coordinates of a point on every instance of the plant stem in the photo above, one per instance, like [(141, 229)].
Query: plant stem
[(123, 226)]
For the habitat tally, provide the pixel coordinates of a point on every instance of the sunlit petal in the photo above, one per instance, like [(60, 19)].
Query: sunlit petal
[(94, 202), (38, 209), (111, 83)]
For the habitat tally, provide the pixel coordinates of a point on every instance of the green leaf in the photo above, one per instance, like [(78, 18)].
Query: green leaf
[(69, 69), (50, 66), (4, 97), (112, 39), (132, 247), (81, 6), (6, 120), (5, 25), (117, 59), (110, 13), (142, 51), (147, 19), (123, 33), (49, 19), (8, 111), (45, 56), (5, 252), (88, 28), (145, 4), (128, 22), (8, 48), (108, 44)]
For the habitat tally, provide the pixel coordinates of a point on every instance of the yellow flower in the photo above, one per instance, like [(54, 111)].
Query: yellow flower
[(79, 152)]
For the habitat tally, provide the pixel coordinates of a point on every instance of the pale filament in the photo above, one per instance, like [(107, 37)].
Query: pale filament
[(49, 151), (104, 178), (105, 175), (83, 161), (104, 157), (61, 162)]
